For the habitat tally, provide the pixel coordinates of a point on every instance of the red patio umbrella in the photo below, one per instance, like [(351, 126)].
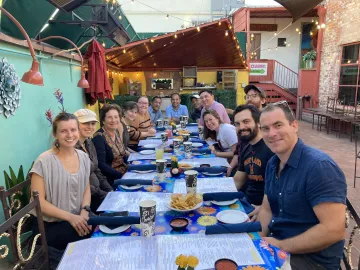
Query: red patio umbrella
[(100, 87)]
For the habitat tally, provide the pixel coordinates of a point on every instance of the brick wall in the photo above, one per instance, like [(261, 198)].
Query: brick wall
[(343, 28)]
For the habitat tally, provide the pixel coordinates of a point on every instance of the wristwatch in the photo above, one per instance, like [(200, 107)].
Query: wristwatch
[(86, 208)]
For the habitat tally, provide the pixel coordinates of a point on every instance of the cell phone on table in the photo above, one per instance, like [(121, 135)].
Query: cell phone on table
[(115, 214)]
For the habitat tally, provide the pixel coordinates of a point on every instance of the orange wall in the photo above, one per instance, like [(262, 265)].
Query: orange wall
[(307, 83)]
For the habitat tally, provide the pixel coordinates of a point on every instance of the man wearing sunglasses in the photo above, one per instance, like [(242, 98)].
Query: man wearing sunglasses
[(303, 210)]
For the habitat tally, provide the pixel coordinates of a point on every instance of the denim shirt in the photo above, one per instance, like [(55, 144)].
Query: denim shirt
[(171, 113), (310, 177)]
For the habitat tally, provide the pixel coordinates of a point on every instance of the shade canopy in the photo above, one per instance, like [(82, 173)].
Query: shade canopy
[(298, 8), (211, 45)]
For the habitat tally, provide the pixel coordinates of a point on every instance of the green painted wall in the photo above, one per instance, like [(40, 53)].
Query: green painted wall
[(27, 134)]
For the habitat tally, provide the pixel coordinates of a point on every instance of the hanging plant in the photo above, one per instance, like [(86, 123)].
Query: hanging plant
[(10, 92)]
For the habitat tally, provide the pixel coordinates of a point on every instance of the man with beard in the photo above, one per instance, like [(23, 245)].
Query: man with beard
[(253, 158), (254, 96)]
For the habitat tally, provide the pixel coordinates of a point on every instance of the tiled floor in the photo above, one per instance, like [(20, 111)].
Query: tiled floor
[(342, 151)]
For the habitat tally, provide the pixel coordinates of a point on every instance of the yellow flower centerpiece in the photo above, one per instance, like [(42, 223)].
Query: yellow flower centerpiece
[(174, 166), (186, 263)]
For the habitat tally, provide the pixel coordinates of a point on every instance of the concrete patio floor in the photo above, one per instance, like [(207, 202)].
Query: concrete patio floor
[(343, 152)]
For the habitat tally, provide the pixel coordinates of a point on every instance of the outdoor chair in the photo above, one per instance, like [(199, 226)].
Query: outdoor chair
[(350, 214), (351, 117), (330, 109), (36, 258), (334, 119)]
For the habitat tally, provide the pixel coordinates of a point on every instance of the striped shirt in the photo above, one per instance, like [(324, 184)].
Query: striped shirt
[(142, 123)]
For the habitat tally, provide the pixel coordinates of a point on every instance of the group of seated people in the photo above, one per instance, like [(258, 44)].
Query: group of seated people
[(298, 192)]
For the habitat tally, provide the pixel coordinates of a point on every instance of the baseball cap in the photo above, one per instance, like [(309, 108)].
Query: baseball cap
[(85, 115), (253, 87), (195, 96)]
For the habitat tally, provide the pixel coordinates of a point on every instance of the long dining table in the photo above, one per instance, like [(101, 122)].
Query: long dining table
[(125, 199)]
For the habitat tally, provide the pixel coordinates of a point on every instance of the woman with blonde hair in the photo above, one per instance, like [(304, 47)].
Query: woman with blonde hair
[(222, 133), (61, 176)]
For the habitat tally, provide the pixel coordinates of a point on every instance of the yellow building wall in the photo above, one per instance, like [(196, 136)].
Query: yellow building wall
[(207, 77), (242, 79), (118, 78)]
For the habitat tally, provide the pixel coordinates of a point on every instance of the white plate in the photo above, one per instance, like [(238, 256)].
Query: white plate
[(196, 144), (143, 172), (120, 229), (147, 152), (223, 203), (187, 210), (211, 174), (131, 187), (232, 217), (150, 145)]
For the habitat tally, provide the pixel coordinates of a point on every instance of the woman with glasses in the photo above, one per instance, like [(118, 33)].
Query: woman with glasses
[(109, 144), (142, 122), (224, 134)]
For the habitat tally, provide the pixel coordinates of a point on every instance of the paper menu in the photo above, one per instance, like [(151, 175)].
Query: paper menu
[(216, 161), (208, 185), (154, 141), (138, 156), (131, 253), (158, 252), (208, 249), (129, 201), (141, 176)]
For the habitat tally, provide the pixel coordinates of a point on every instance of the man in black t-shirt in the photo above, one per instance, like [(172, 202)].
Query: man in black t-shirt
[(253, 158)]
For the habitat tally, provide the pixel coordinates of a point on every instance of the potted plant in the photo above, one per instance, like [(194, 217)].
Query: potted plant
[(309, 59)]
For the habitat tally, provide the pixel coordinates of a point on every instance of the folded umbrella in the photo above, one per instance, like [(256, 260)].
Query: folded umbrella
[(211, 169), (145, 167), (113, 222), (233, 228), (131, 182)]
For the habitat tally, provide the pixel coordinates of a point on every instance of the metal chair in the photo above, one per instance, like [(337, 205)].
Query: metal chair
[(350, 213), (36, 259)]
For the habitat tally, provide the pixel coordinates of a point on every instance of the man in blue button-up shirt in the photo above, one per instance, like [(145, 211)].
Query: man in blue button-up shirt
[(175, 110), (303, 211)]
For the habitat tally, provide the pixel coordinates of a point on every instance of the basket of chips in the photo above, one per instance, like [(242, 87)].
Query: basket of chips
[(185, 202)]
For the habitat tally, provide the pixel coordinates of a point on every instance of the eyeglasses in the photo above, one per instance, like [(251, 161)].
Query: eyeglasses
[(284, 105), (251, 96), (144, 103)]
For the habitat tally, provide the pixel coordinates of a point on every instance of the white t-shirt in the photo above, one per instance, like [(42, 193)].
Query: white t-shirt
[(227, 136)]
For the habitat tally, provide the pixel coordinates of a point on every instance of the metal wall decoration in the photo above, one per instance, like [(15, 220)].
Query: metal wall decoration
[(10, 92)]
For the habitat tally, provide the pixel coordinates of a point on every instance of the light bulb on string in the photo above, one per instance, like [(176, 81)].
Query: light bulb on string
[(323, 25), (230, 27), (137, 74), (198, 28), (219, 23), (318, 27), (289, 45), (312, 20), (238, 46), (151, 40), (297, 29), (167, 16), (226, 33), (269, 49), (132, 1), (124, 51), (120, 17), (275, 34), (299, 33), (103, 44), (114, 2), (175, 36), (316, 22), (311, 33), (234, 37)]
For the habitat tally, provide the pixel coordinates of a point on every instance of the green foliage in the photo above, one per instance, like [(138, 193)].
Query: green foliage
[(12, 180), (311, 55)]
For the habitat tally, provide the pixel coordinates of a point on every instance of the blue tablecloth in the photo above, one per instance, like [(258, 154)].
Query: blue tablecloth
[(273, 257)]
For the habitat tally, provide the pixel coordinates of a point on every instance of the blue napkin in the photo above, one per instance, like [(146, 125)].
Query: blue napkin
[(233, 228), (211, 169), (160, 129), (227, 196), (202, 151), (222, 196), (131, 182), (145, 167), (197, 140), (194, 133), (113, 222), (192, 124)]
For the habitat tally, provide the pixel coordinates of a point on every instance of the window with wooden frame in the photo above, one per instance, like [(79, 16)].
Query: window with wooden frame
[(349, 81)]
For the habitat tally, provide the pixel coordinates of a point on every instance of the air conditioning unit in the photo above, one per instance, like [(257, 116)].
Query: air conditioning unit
[(67, 5)]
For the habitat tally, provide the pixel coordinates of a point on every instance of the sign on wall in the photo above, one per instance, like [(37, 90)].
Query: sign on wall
[(258, 69)]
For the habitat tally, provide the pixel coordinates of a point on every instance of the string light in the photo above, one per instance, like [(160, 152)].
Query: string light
[(175, 36), (230, 27), (311, 33), (155, 74), (121, 74), (103, 44), (198, 28), (124, 51), (137, 74), (297, 29), (226, 33), (120, 17), (219, 23), (323, 25), (275, 34), (167, 16), (312, 20), (114, 2), (289, 45), (238, 46), (154, 64), (252, 35), (269, 49), (316, 22), (318, 27), (132, 1), (151, 40), (234, 37)]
